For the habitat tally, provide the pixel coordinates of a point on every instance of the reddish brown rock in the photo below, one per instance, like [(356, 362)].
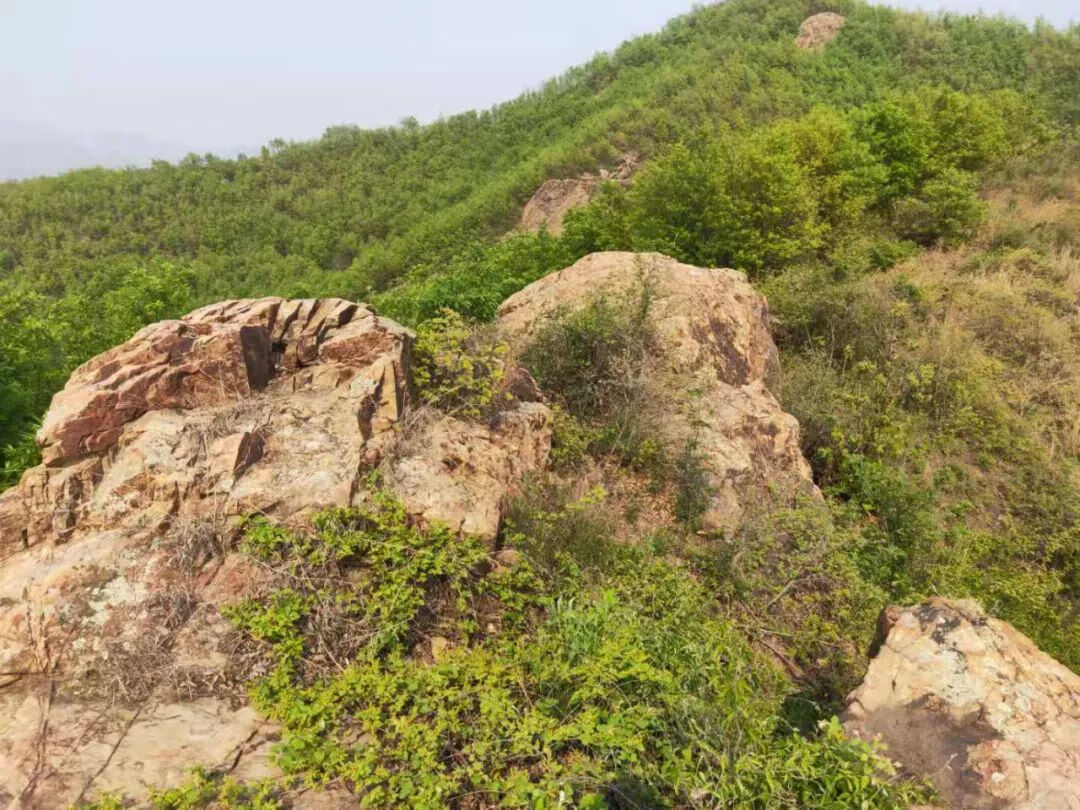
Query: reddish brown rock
[(114, 556), (174, 364), (975, 706), (548, 207)]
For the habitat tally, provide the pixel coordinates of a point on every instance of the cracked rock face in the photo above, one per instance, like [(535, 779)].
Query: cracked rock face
[(974, 705), (114, 553), (710, 370)]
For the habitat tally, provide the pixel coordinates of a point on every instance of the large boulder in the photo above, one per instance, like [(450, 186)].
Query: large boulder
[(713, 366), (974, 705), (115, 555), (555, 198)]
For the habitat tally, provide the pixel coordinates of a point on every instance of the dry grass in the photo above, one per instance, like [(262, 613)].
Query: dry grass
[(411, 433), (128, 669), (191, 541), (1008, 304), (242, 415)]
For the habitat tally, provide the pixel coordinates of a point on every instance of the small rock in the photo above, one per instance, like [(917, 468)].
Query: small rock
[(440, 646), (522, 387), (819, 30), (507, 557)]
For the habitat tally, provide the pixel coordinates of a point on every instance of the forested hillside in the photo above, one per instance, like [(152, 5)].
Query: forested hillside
[(86, 257), (908, 199)]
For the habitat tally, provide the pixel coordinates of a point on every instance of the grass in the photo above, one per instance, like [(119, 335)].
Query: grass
[(938, 401)]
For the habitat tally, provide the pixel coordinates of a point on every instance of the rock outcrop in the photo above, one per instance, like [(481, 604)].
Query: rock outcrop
[(421, 471), (819, 30), (114, 553), (119, 671), (974, 705), (550, 204), (713, 367)]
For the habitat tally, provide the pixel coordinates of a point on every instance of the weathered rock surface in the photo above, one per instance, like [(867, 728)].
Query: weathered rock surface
[(714, 366), (974, 705), (819, 30), (112, 569), (550, 204), (452, 468)]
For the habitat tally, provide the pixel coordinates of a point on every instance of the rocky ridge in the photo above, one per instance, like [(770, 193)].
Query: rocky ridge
[(116, 554)]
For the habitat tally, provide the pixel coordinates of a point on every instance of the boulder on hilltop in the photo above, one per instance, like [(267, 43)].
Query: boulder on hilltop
[(712, 370), (818, 30)]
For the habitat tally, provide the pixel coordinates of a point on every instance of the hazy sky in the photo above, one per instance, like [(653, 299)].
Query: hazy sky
[(121, 80)]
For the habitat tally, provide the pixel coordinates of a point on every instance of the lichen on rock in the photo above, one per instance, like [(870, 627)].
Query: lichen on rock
[(970, 703)]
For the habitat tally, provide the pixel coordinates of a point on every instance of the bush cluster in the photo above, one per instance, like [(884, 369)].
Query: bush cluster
[(594, 361), (604, 686)]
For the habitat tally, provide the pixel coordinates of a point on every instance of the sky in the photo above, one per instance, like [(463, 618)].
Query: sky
[(122, 81)]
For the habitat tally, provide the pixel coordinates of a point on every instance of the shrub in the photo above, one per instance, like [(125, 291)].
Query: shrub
[(476, 279), (211, 790), (728, 202), (18, 457), (458, 368), (594, 363), (934, 406), (563, 531), (947, 209), (626, 688), (693, 484), (324, 614)]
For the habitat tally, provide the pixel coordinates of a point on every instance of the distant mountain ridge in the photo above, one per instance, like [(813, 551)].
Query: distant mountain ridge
[(29, 150)]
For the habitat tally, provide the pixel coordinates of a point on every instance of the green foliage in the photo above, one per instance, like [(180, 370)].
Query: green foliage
[(566, 535), (620, 685), (319, 613), (791, 575), (202, 791), (931, 415), (766, 158), (765, 199), (947, 210), (458, 368), (106, 801), (206, 790), (693, 484), (936, 399), (18, 457), (42, 339), (476, 279), (593, 360)]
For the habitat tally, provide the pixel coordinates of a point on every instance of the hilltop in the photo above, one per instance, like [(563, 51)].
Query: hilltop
[(565, 512)]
